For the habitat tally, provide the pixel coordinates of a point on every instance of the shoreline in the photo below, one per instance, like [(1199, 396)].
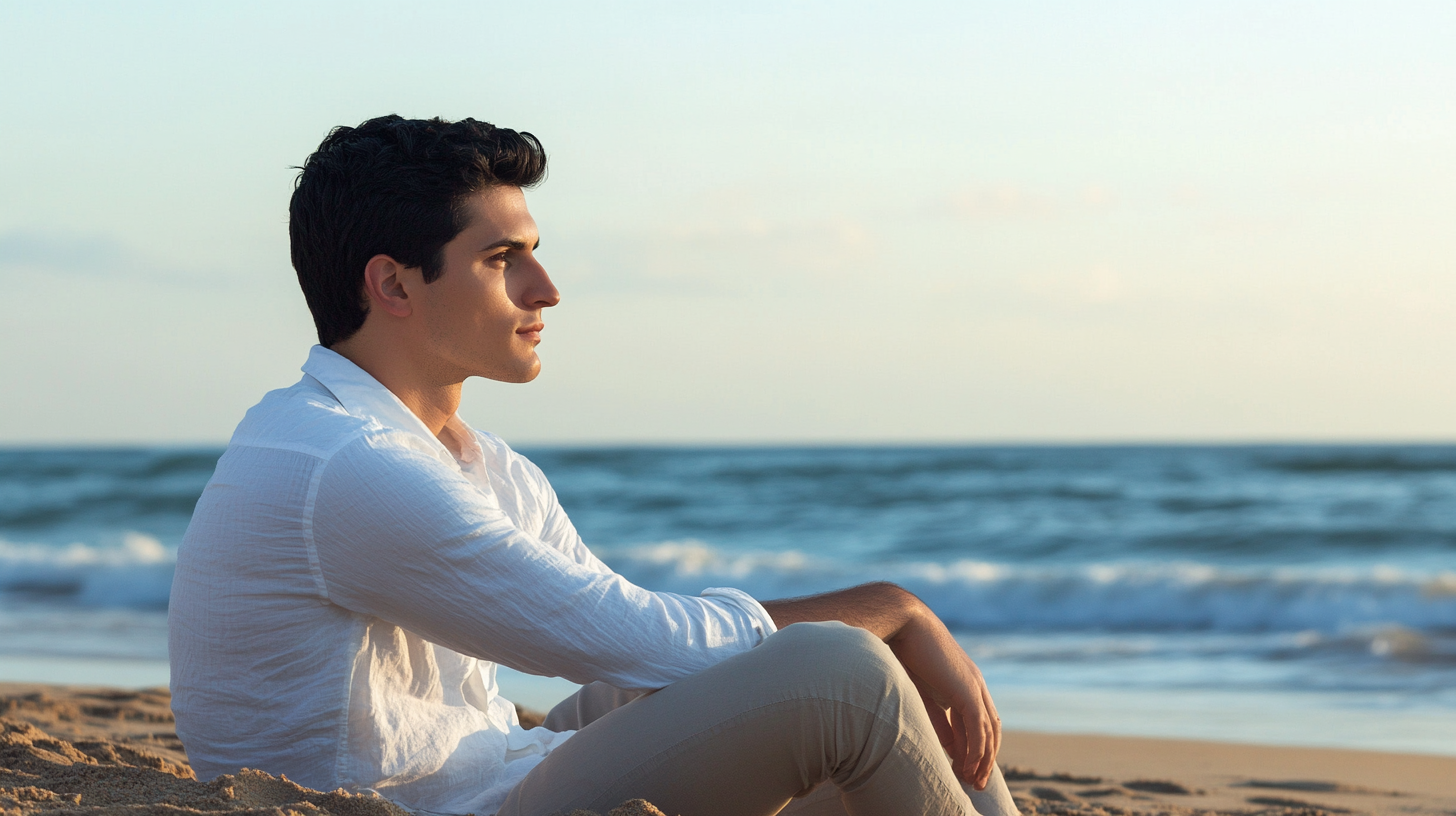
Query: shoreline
[(52, 733)]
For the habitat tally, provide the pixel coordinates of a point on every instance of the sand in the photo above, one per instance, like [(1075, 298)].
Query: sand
[(1050, 772), (66, 751)]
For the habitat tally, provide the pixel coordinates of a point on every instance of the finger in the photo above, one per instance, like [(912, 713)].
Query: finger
[(993, 716), (976, 775), (977, 744), (959, 753), (990, 707), (985, 756), (987, 760), (995, 739), (995, 721)]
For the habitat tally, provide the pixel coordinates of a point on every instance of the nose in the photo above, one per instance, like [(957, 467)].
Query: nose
[(540, 292)]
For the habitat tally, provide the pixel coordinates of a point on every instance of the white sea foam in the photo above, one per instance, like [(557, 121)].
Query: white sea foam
[(1120, 596), (133, 571)]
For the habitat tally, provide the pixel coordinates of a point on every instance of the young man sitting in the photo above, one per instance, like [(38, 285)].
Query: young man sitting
[(362, 560)]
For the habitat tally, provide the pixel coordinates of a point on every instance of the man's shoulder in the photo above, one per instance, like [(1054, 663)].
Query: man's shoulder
[(303, 417)]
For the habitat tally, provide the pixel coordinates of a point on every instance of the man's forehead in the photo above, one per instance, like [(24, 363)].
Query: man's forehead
[(502, 210)]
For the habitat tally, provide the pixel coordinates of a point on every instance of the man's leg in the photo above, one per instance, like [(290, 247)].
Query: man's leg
[(590, 703), (815, 703), (595, 700)]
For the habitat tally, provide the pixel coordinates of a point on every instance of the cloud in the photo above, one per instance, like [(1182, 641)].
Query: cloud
[(69, 254)]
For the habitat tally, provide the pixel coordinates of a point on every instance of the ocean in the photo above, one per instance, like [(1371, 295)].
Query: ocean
[(1301, 595)]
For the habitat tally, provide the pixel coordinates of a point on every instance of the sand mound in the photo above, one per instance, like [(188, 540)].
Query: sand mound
[(41, 773), (139, 721)]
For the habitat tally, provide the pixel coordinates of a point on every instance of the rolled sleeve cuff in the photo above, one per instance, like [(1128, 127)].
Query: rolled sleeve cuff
[(759, 617)]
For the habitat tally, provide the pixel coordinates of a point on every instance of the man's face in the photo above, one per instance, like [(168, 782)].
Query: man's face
[(483, 314)]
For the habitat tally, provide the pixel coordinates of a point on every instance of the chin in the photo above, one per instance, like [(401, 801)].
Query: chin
[(519, 374)]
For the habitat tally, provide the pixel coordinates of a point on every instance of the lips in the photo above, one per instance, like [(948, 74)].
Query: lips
[(531, 332)]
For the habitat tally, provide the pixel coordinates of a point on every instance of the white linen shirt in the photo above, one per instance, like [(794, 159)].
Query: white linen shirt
[(347, 587)]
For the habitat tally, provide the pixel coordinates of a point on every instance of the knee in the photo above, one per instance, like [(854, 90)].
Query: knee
[(846, 678), (834, 650), (832, 637)]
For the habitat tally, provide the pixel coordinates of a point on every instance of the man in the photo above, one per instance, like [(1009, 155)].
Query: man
[(361, 560)]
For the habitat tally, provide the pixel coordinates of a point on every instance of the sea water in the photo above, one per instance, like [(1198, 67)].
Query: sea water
[(1281, 594)]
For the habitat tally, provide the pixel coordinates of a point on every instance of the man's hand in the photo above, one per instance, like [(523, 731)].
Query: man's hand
[(950, 685), (955, 696)]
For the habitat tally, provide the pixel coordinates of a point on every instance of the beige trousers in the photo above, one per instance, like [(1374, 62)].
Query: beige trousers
[(819, 719)]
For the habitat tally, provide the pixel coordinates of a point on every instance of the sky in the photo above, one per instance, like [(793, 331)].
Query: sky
[(771, 222)]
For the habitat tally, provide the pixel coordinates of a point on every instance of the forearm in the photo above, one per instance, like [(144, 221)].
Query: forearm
[(880, 608)]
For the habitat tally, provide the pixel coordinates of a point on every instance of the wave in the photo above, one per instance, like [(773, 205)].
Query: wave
[(1366, 460), (31, 464), (111, 489), (976, 595), (134, 571)]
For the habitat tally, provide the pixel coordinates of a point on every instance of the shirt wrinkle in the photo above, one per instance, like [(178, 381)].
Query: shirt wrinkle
[(347, 586)]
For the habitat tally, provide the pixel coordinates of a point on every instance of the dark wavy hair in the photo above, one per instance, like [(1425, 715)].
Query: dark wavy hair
[(397, 187)]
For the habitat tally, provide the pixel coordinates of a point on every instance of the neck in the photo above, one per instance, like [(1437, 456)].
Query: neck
[(433, 404), (431, 395)]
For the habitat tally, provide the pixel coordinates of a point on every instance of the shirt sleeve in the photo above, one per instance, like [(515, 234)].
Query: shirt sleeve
[(556, 529), (762, 620), (397, 534)]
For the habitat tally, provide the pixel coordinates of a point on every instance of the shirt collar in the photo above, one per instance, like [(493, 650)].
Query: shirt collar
[(363, 396)]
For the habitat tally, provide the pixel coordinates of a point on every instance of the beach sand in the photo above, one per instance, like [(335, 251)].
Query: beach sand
[(75, 750)]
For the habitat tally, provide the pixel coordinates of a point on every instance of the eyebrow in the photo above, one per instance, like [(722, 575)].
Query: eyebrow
[(509, 243)]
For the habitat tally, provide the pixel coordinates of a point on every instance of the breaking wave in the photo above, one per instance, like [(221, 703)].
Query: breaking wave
[(134, 571), (1113, 596)]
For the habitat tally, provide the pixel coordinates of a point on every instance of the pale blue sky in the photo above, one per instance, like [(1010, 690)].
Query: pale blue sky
[(772, 221)]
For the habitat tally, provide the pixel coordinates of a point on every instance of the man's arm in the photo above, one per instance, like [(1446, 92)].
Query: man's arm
[(398, 535), (950, 685)]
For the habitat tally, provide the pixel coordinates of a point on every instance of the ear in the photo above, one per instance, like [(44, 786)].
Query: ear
[(384, 286)]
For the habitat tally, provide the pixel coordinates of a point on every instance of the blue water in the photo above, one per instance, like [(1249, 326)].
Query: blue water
[(1285, 594)]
